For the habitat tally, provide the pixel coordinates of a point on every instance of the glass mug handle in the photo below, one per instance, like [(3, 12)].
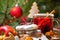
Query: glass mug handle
[(56, 22)]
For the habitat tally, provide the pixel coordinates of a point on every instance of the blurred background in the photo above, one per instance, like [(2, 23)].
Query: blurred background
[(43, 6)]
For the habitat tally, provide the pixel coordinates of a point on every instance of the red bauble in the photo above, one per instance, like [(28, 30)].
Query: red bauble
[(16, 12)]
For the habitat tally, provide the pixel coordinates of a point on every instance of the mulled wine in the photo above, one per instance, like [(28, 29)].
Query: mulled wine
[(44, 23)]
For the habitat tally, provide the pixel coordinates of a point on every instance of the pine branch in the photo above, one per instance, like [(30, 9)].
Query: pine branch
[(3, 23)]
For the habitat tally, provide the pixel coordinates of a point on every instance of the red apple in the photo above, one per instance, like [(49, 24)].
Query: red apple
[(16, 12), (11, 29), (6, 29)]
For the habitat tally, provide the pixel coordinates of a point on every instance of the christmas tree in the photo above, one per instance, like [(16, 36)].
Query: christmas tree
[(34, 10)]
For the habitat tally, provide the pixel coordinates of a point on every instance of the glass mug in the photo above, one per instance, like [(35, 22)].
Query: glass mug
[(44, 22)]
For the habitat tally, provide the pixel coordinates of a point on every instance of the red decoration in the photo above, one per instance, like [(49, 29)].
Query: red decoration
[(23, 20), (16, 11), (6, 29), (11, 29)]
